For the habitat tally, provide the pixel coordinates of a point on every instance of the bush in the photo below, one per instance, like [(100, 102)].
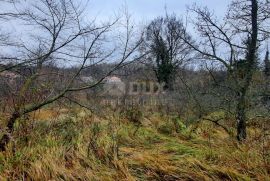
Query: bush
[(172, 125), (178, 124), (166, 129), (134, 115)]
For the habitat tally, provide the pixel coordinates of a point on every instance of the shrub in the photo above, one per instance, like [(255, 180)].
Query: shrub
[(166, 129), (172, 125), (134, 115), (178, 124)]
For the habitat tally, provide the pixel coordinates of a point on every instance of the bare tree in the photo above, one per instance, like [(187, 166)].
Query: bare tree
[(233, 44), (60, 36)]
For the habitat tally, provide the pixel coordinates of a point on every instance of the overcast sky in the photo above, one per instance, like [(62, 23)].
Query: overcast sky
[(145, 10), (142, 11)]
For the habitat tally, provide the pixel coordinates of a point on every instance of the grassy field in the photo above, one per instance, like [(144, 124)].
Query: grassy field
[(74, 144)]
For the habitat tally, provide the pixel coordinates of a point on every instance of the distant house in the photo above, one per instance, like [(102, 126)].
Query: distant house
[(9, 83), (9, 74), (9, 77), (113, 86)]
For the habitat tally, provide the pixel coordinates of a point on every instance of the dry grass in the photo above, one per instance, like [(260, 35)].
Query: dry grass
[(48, 114), (77, 145)]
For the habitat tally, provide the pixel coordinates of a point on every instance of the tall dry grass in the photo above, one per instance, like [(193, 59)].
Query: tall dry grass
[(74, 144)]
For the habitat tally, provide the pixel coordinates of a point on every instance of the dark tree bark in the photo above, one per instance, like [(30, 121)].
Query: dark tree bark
[(267, 64), (249, 70), (10, 127)]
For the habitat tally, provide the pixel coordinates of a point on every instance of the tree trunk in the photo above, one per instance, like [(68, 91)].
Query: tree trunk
[(10, 127), (241, 119), (249, 71)]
